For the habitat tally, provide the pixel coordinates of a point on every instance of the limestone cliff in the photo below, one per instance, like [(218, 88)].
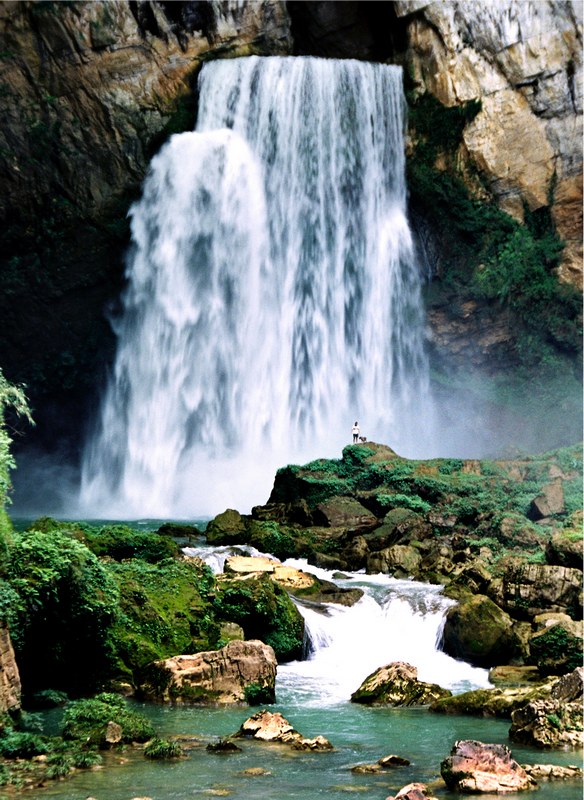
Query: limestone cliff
[(523, 61), (87, 87), (9, 676)]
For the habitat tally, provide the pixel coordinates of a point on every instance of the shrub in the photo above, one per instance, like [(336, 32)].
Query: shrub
[(161, 748), (87, 720), (257, 695), (17, 744)]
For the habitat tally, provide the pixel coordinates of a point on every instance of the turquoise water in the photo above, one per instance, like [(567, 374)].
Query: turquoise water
[(396, 620), (359, 735)]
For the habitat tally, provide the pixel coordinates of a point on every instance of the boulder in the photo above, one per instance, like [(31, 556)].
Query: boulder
[(413, 791), (399, 560), (344, 512), (556, 646), (399, 526), (531, 589), (555, 722), (478, 631), (270, 726), (474, 767), (214, 677), (549, 501), (563, 550), (496, 702), (553, 772), (227, 528), (397, 684)]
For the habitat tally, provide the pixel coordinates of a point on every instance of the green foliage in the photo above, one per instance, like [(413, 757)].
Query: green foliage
[(159, 749), (412, 502), (47, 698), (122, 542), (556, 651), (16, 744), (257, 695), (66, 603), (554, 721), (270, 537), (87, 720), (264, 611), (13, 398)]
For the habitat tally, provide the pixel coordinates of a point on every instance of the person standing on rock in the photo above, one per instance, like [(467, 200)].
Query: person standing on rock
[(356, 431)]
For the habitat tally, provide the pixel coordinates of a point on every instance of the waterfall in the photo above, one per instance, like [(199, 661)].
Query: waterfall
[(396, 620), (273, 293)]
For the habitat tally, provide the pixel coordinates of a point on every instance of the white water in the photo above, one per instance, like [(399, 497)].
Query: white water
[(395, 620), (273, 293)]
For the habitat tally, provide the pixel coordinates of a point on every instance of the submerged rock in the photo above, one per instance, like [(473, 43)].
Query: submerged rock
[(474, 767), (397, 684), (413, 791)]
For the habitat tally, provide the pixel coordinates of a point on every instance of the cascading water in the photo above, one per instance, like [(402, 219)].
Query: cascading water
[(273, 294)]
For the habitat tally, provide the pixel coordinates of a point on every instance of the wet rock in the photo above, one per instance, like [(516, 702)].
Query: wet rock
[(478, 631), (401, 561), (553, 772), (413, 791), (217, 676), (474, 767), (555, 722), (496, 702), (397, 684), (273, 727), (392, 761), (223, 746), (227, 528)]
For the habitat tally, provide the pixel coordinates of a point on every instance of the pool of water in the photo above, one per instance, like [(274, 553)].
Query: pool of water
[(359, 734)]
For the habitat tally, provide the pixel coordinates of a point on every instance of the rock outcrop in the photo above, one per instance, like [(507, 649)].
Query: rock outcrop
[(270, 726), (555, 722), (10, 687), (397, 684), (474, 767), (214, 677), (523, 61)]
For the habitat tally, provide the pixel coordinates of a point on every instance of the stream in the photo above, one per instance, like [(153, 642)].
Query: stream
[(395, 620)]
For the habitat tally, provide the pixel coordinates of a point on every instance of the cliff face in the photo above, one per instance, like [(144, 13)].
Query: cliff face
[(523, 61), (89, 91), (87, 87)]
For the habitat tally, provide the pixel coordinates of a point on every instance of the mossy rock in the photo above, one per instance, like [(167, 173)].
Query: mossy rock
[(265, 611), (397, 684), (227, 528), (478, 631), (491, 702), (557, 650)]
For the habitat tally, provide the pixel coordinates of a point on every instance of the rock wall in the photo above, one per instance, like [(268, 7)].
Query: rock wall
[(9, 675), (523, 61), (87, 87)]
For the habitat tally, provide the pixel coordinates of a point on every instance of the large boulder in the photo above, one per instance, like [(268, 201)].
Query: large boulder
[(474, 767), (496, 702), (344, 512), (532, 589), (227, 528), (399, 560), (222, 676), (556, 646), (565, 550), (555, 722), (397, 684), (549, 501), (478, 631)]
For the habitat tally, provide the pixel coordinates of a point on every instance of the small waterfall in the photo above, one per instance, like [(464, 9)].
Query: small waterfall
[(396, 620), (273, 293)]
